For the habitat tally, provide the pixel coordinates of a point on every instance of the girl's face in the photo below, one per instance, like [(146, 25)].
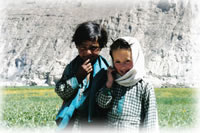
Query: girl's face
[(89, 50), (122, 60)]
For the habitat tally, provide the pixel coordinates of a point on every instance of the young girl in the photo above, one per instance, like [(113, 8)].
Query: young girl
[(80, 79), (131, 101)]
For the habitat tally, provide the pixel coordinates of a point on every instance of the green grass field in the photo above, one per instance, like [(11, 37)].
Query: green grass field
[(38, 106)]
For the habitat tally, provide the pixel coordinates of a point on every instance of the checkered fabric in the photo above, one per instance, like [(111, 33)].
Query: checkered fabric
[(131, 108), (104, 98), (64, 90)]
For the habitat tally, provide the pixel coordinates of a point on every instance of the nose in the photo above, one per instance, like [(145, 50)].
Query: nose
[(88, 52), (124, 69)]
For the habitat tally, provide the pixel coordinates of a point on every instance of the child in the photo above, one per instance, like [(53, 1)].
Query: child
[(77, 84), (131, 101)]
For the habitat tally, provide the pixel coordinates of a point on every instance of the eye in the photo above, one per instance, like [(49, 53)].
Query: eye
[(93, 48), (81, 48), (127, 61), (117, 62)]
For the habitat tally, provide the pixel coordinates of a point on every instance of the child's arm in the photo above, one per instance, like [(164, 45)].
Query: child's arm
[(110, 78), (150, 108), (68, 84), (72, 79), (104, 96)]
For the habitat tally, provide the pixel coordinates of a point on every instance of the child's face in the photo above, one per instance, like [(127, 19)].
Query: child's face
[(122, 60), (89, 50)]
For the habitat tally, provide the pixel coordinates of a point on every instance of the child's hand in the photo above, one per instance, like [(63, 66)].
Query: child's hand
[(84, 70), (110, 77)]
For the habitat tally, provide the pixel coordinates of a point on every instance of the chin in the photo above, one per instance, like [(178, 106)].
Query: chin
[(93, 59), (122, 74)]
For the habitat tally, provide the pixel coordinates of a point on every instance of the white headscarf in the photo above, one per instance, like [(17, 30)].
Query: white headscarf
[(138, 71)]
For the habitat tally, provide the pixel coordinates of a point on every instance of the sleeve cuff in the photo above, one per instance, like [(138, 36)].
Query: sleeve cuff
[(74, 83), (106, 92)]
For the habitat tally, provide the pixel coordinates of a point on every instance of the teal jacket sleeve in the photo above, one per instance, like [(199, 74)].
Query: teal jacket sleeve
[(68, 84)]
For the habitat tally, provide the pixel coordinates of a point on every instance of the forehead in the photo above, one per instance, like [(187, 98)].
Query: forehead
[(121, 54), (89, 43)]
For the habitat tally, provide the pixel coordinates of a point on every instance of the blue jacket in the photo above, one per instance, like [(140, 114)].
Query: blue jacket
[(82, 96)]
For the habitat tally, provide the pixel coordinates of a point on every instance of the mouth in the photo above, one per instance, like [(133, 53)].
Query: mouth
[(85, 58), (92, 58), (124, 72)]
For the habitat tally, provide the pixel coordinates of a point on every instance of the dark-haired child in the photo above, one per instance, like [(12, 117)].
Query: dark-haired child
[(76, 86)]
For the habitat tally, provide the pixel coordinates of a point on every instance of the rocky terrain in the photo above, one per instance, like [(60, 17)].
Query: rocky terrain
[(36, 38)]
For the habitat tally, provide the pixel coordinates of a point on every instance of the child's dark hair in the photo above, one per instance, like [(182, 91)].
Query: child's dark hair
[(119, 44), (90, 31)]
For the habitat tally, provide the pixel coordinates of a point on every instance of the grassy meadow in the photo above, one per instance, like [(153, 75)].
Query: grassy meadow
[(176, 107), (38, 106), (30, 107)]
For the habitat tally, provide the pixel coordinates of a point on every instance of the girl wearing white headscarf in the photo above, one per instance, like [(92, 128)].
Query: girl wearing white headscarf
[(130, 100)]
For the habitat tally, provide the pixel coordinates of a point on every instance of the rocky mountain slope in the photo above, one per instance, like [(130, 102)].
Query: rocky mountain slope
[(36, 38)]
